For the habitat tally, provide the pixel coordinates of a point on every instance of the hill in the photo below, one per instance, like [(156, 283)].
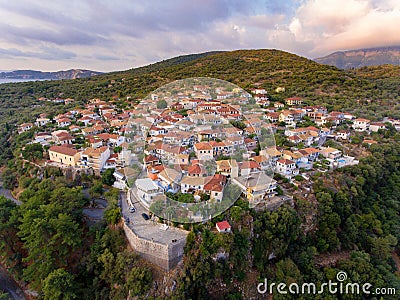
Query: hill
[(362, 57), (371, 92), (318, 84), (31, 74)]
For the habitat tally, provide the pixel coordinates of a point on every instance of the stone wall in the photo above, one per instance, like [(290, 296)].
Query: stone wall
[(165, 256)]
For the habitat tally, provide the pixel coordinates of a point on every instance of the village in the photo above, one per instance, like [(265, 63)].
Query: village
[(190, 132), (190, 147)]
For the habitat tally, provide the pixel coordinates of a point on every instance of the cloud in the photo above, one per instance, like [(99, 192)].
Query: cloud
[(346, 24), (112, 35), (46, 53)]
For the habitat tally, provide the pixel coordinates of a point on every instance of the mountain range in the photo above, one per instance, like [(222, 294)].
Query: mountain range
[(352, 59), (31, 74)]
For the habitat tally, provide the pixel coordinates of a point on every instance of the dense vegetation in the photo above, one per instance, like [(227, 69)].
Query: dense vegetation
[(357, 221), (48, 243)]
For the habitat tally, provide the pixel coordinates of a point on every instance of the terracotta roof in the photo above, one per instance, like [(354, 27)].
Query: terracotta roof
[(259, 158), (362, 120), (370, 142), (95, 152), (63, 150), (203, 146), (150, 158), (196, 169), (249, 165), (223, 225), (213, 187), (285, 161)]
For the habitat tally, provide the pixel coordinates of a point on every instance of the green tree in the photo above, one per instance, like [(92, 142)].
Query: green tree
[(112, 215), (108, 177), (117, 149), (138, 281), (96, 190), (9, 179), (162, 104), (50, 240), (59, 284), (33, 152)]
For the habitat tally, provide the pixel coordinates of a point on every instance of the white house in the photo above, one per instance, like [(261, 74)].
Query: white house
[(96, 158), (361, 124), (343, 134), (42, 121), (169, 180), (375, 126), (24, 127), (256, 186), (191, 184), (120, 180), (223, 227), (147, 190), (63, 122), (203, 150), (286, 168), (331, 153)]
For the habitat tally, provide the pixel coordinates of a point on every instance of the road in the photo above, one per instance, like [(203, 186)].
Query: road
[(149, 229), (7, 284), (6, 193)]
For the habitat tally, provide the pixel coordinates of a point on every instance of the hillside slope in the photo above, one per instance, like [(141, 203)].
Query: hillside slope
[(269, 69), (362, 57)]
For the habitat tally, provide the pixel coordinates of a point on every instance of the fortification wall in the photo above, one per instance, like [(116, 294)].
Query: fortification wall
[(165, 256)]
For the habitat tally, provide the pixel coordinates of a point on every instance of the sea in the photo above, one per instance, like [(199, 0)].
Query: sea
[(9, 80)]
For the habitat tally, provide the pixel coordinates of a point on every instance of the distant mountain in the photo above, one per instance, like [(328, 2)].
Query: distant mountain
[(31, 74), (362, 57)]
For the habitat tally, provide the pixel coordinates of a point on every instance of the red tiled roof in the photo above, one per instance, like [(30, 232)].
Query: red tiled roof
[(286, 161), (223, 225), (249, 165), (150, 158), (196, 169), (203, 146)]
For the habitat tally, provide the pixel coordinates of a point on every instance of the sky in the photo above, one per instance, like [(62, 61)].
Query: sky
[(118, 35)]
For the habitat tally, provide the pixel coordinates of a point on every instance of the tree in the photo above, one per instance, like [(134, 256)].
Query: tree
[(186, 198), (50, 238), (117, 149), (9, 241), (96, 190), (59, 284), (162, 104), (238, 124), (33, 152), (4, 296), (112, 215), (9, 179), (138, 281), (108, 177)]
